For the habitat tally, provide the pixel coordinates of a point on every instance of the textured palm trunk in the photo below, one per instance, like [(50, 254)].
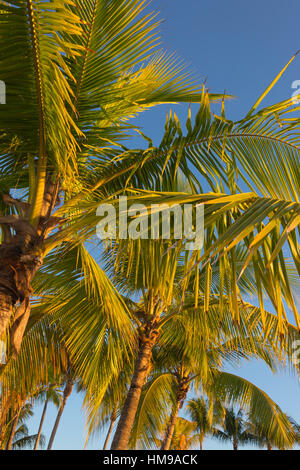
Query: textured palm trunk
[(13, 431), (112, 422), (6, 309), (235, 444), (141, 371), (19, 261), (269, 445), (41, 426), (15, 289), (183, 388), (170, 429), (67, 392)]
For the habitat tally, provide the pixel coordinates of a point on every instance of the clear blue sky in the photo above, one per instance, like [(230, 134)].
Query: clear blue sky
[(239, 46)]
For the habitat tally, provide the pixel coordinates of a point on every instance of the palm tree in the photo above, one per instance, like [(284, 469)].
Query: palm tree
[(199, 412), (50, 395), (263, 151), (13, 429), (86, 70), (268, 438), (113, 419), (13, 404), (184, 436), (234, 429), (156, 267), (17, 434), (72, 130), (276, 287), (69, 383), (160, 270), (22, 439), (183, 385), (184, 359)]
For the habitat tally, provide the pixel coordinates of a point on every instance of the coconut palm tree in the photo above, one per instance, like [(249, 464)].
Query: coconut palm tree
[(154, 268), (188, 357), (251, 322), (183, 385), (22, 439), (113, 418), (68, 388), (16, 435), (13, 429), (199, 413), (184, 436), (261, 150), (50, 395), (160, 270), (265, 438), (85, 69), (234, 429)]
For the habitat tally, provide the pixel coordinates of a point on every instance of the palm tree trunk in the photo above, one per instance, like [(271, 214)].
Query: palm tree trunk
[(13, 430), (19, 262), (6, 307), (112, 422), (141, 371), (170, 429), (15, 286), (235, 444), (67, 392), (40, 426)]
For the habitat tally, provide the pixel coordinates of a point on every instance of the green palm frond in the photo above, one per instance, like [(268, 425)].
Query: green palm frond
[(37, 114), (237, 390), (28, 441)]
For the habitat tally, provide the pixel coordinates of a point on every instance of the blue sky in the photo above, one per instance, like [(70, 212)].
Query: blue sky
[(238, 47)]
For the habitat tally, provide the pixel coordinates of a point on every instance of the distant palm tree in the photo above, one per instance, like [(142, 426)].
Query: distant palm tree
[(113, 418), (19, 437), (235, 429), (51, 395), (23, 440), (69, 383), (198, 410), (270, 437)]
